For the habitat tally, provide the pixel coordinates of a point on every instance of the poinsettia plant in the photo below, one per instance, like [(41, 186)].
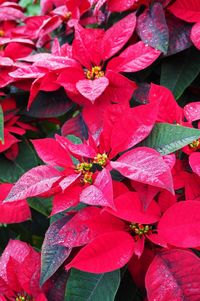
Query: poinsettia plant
[(99, 150)]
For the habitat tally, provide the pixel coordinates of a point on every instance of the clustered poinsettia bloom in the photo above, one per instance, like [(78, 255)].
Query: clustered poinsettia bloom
[(90, 140), (20, 273)]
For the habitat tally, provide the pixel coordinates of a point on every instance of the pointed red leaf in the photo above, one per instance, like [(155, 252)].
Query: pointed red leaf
[(188, 11), (169, 110), (145, 192), (92, 89), (120, 89), (134, 58), (173, 275), (195, 35), (117, 36), (119, 6), (179, 226), (12, 213), (80, 150), (194, 161), (145, 165), (166, 200), (192, 111), (132, 126), (50, 151), (101, 193), (66, 199), (105, 253), (4, 41), (86, 47), (104, 222), (10, 13), (68, 180), (34, 182), (129, 207)]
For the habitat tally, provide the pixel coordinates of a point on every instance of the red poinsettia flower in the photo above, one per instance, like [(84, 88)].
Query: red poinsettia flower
[(109, 243), (72, 11), (93, 80), (90, 175), (20, 273), (12, 213), (118, 233)]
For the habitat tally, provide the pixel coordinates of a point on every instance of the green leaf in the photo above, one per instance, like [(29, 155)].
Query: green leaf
[(178, 72), (74, 139), (83, 286), (42, 205), (167, 138), (1, 125), (10, 171), (31, 8)]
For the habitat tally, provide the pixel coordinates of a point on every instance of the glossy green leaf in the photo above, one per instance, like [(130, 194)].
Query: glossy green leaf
[(42, 205), (83, 286), (178, 72), (10, 171), (74, 139), (1, 125), (167, 138)]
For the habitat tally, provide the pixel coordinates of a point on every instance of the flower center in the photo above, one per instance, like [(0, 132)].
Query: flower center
[(1, 33), (83, 167), (101, 159), (23, 297), (94, 73), (87, 177), (67, 16), (87, 169), (140, 229), (195, 144)]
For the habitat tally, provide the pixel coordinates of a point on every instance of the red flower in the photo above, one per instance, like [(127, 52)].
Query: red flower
[(112, 238), (90, 176), (20, 273)]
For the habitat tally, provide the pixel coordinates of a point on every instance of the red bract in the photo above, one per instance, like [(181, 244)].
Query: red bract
[(120, 5), (179, 224), (145, 165), (186, 10), (195, 35), (194, 161), (169, 111), (173, 275), (20, 272), (12, 213), (10, 11)]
